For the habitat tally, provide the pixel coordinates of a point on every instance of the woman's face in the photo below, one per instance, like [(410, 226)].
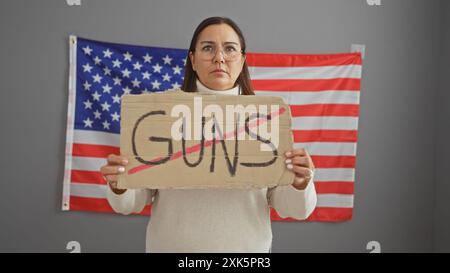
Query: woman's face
[(217, 58)]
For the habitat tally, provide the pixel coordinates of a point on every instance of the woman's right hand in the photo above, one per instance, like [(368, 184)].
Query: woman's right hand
[(115, 166)]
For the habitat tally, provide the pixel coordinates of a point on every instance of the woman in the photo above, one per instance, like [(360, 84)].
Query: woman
[(216, 220)]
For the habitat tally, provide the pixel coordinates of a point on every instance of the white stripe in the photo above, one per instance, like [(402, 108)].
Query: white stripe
[(97, 138), (325, 123), (311, 97), (323, 200), (328, 148), (335, 200), (88, 190), (315, 72), (88, 163), (334, 174)]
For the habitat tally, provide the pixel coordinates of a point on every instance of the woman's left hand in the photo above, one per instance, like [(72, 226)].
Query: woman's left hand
[(299, 161)]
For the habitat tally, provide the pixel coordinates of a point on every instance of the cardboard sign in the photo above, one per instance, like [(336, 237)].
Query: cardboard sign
[(179, 140)]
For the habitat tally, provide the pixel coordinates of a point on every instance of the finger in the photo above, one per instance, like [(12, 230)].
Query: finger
[(296, 152), (299, 161), (107, 169), (112, 179), (301, 171), (117, 160), (300, 180)]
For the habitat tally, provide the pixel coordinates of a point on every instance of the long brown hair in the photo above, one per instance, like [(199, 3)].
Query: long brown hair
[(190, 76)]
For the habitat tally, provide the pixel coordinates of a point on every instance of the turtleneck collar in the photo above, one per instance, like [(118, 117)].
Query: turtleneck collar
[(202, 89)]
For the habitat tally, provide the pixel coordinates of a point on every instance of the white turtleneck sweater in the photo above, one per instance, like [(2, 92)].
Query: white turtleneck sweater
[(214, 220)]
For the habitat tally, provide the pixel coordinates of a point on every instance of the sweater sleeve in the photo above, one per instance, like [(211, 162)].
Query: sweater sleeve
[(131, 201), (291, 202)]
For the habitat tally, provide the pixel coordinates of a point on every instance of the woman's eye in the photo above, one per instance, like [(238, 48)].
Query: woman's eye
[(230, 49), (207, 48)]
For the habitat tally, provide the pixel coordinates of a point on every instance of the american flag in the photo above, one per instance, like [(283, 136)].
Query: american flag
[(322, 90)]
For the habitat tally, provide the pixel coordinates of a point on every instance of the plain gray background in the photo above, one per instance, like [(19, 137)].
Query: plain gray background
[(402, 187)]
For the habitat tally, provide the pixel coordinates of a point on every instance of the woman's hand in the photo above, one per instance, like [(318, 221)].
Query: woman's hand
[(110, 171), (300, 162)]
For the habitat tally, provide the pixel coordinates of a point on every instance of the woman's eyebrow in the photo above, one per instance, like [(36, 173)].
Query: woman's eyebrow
[(211, 42)]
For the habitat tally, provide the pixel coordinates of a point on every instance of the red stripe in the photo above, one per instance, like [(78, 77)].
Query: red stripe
[(93, 150), (325, 135), (325, 214), (90, 177), (325, 161), (307, 85), (310, 60), (339, 187), (97, 204), (343, 110)]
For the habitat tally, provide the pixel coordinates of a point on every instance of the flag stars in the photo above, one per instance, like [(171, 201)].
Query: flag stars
[(107, 71), (106, 124), (105, 106), (146, 75), (96, 96), (126, 73), (87, 50), (135, 82), (97, 60), (116, 63), (176, 85), (147, 58), (155, 84), (107, 53), (97, 114), (106, 88), (87, 68), (176, 70), (97, 78), (88, 122), (116, 99), (87, 104), (115, 116), (157, 68), (87, 85), (117, 81), (167, 60), (137, 66), (166, 77), (127, 56), (126, 90), (184, 61)]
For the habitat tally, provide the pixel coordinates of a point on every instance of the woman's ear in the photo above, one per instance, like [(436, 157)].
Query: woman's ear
[(191, 56)]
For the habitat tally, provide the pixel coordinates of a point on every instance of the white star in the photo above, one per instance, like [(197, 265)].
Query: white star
[(157, 68), (147, 58), (96, 96), (184, 61), (176, 85), (87, 123), (167, 59), (155, 84), (87, 86), (115, 116), (117, 81), (106, 88), (126, 73), (126, 90), (107, 71), (135, 82), (97, 60), (145, 91), (146, 75), (87, 50), (97, 114), (97, 78), (166, 77), (107, 53), (117, 63), (87, 68), (176, 70), (137, 66), (106, 124), (127, 56), (105, 106), (116, 99), (87, 104)]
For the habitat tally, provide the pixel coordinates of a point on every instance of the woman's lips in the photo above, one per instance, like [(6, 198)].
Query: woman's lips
[(218, 71)]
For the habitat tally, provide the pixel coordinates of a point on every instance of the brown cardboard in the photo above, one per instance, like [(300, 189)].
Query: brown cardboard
[(143, 127)]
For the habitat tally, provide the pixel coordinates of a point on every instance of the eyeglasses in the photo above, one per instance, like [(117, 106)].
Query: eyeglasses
[(229, 53)]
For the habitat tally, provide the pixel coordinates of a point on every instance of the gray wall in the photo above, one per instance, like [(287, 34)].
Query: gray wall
[(403, 114)]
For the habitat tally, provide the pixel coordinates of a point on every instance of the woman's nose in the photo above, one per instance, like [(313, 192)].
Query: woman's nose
[(218, 57)]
